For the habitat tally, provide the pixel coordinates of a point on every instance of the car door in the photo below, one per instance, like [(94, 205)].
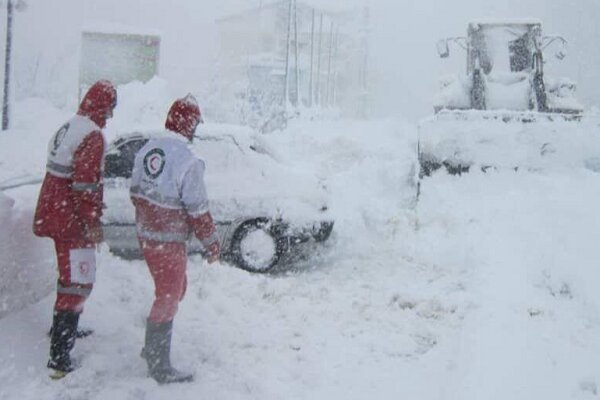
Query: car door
[(118, 218)]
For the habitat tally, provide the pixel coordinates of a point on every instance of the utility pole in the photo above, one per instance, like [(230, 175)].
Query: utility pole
[(5, 101), (335, 70), (286, 87), (329, 63), (296, 69), (318, 85), (312, 57)]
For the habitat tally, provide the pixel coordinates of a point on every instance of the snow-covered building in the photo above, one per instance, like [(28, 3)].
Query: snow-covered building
[(320, 53), (118, 53)]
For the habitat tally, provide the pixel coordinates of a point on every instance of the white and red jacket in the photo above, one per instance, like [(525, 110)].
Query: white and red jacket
[(70, 200), (168, 191)]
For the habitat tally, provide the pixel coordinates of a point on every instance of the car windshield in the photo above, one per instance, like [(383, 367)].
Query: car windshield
[(118, 162)]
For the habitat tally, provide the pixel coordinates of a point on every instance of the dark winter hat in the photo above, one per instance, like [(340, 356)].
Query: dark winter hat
[(184, 116)]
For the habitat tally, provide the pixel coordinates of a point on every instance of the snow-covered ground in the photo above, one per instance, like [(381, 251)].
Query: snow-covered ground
[(484, 289)]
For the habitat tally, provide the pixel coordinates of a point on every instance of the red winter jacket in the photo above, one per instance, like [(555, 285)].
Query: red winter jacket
[(70, 201)]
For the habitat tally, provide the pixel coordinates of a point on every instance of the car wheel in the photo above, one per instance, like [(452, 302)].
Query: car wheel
[(255, 246), (323, 232)]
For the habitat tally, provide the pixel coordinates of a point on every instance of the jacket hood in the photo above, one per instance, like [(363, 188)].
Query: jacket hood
[(184, 116), (99, 102)]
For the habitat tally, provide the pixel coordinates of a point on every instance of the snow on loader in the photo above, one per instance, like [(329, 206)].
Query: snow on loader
[(504, 113)]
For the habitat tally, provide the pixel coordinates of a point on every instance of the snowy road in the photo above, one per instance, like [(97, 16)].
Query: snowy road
[(532, 240), (485, 290)]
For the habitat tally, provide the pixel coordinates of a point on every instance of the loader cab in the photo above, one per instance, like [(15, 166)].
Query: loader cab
[(499, 48), (505, 70)]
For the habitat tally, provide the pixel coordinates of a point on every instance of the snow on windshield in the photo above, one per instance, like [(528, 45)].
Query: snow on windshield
[(501, 45)]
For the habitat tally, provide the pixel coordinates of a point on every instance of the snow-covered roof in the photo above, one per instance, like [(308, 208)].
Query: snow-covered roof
[(119, 29)]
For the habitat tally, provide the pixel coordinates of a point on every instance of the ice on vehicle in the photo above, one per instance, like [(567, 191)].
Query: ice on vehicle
[(504, 111)]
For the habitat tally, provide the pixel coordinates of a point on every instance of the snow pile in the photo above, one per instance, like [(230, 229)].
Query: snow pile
[(25, 275), (33, 122), (530, 241), (507, 139), (561, 94), (503, 91), (454, 92), (507, 91), (27, 265), (366, 165), (140, 107)]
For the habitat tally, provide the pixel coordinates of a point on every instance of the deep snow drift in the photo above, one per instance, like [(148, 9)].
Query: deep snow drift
[(484, 289)]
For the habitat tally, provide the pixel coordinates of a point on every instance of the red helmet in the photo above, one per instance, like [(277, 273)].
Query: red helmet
[(184, 116), (99, 102)]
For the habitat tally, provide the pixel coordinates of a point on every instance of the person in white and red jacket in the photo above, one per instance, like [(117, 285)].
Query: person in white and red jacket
[(68, 211), (169, 195)]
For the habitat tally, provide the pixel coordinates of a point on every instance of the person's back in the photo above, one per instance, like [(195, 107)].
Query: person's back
[(68, 210), (167, 190), (55, 216), (167, 187)]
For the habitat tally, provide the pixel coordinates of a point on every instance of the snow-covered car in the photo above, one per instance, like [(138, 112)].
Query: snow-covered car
[(263, 208)]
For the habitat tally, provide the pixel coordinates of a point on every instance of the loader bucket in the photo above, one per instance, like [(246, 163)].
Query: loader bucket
[(460, 141)]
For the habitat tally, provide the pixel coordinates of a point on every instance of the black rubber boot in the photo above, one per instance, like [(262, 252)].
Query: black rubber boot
[(157, 352), (80, 334), (62, 340)]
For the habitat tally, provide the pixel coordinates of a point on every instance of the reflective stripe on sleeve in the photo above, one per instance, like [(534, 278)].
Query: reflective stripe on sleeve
[(73, 290), (83, 187), (58, 169)]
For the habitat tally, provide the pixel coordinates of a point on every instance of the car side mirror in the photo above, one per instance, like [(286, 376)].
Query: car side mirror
[(442, 48)]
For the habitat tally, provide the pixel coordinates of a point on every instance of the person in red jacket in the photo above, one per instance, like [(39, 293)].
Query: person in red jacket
[(68, 211), (168, 192)]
